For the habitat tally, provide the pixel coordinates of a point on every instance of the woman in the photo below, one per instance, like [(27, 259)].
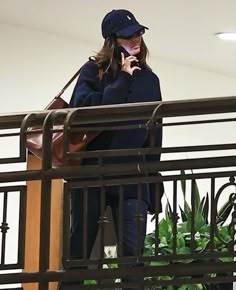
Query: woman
[(126, 78)]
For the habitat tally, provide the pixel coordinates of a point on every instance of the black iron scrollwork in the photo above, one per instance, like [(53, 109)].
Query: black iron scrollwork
[(4, 227), (230, 208)]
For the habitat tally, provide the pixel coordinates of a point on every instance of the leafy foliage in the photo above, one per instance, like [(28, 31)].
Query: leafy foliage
[(196, 215)]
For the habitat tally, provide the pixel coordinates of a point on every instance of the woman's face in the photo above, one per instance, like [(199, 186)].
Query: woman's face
[(132, 44)]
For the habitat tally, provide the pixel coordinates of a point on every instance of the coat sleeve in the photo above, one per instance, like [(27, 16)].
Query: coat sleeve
[(156, 190), (88, 91), (156, 133)]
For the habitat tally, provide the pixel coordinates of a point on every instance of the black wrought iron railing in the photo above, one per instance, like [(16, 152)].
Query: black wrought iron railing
[(190, 241)]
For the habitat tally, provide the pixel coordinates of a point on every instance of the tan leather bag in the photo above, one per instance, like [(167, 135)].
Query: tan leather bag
[(78, 140)]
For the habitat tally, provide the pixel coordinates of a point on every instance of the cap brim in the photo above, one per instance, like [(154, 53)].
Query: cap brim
[(130, 30)]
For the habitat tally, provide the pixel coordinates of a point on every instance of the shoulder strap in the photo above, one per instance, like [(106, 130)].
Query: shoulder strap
[(67, 84), (100, 74)]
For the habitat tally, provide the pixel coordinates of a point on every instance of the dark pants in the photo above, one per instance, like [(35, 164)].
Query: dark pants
[(134, 218)]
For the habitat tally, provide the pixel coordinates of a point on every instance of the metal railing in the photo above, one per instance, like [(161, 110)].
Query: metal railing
[(192, 241)]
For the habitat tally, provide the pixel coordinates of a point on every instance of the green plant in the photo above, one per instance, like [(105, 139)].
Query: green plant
[(184, 232)]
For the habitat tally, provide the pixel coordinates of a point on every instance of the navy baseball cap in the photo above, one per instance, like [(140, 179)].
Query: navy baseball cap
[(120, 22)]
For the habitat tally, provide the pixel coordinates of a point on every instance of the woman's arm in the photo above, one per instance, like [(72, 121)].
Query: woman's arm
[(157, 131), (117, 91), (88, 92), (156, 190)]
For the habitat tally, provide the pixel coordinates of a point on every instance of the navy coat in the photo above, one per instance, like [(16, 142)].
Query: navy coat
[(142, 86)]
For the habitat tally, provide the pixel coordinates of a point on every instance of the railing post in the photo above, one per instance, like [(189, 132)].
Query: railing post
[(44, 245)]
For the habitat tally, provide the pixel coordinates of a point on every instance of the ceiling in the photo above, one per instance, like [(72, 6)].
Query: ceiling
[(180, 31)]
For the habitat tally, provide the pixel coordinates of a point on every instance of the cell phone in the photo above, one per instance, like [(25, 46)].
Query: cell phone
[(126, 54), (122, 49)]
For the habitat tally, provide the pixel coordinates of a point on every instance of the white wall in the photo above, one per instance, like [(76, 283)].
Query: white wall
[(34, 66)]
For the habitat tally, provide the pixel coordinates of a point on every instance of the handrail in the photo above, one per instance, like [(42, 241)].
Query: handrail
[(131, 111)]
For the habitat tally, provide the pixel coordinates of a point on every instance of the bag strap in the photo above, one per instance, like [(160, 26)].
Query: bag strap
[(67, 84), (100, 74)]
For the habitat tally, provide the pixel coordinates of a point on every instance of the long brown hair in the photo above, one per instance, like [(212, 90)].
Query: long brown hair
[(108, 60)]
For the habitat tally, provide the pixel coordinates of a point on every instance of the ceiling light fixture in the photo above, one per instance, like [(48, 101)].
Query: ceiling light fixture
[(227, 35)]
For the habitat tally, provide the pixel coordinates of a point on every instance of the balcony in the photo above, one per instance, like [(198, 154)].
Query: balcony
[(189, 242)]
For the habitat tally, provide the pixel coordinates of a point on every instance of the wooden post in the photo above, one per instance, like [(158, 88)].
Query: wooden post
[(33, 224)]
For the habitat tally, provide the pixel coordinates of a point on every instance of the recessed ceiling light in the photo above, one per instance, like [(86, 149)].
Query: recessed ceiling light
[(226, 35)]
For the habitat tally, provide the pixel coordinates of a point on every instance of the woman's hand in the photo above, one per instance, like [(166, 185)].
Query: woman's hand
[(126, 63)]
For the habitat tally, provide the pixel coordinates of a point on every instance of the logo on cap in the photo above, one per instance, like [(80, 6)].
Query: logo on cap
[(128, 17)]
